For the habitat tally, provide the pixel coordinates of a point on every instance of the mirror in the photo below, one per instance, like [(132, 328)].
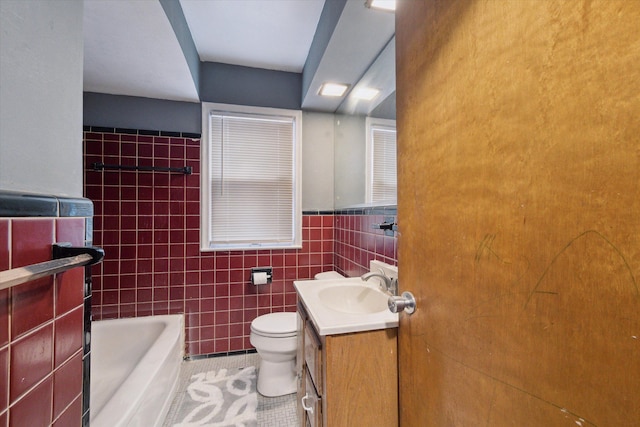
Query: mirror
[(349, 162), (350, 131)]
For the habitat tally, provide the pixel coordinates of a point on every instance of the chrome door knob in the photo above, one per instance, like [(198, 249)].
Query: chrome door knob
[(406, 302)]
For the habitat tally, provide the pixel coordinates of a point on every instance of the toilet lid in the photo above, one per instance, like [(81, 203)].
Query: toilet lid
[(275, 324)]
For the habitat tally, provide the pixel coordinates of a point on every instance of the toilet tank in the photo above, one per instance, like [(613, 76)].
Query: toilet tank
[(328, 275)]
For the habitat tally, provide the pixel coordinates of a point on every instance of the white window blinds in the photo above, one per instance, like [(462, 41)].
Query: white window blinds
[(382, 177), (253, 198)]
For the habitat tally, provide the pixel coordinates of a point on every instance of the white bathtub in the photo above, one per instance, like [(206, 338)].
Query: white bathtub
[(134, 369)]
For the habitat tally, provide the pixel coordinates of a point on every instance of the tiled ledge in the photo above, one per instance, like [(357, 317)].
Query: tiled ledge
[(315, 212), (100, 129), (368, 210), (16, 204)]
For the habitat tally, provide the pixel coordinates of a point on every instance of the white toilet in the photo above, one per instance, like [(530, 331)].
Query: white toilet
[(274, 337)]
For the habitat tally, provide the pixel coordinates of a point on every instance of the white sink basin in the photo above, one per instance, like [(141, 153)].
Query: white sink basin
[(345, 305), (353, 299)]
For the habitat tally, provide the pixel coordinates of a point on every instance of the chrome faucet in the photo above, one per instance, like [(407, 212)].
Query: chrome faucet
[(389, 284)]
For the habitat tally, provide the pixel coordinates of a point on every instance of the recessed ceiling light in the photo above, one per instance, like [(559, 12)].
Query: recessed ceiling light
[(366, 93), (333, 89), (381, 4)]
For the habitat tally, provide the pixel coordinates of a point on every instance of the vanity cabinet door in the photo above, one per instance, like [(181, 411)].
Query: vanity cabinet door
[(313, 356), (300, 366), (347, 379), (312, 404)]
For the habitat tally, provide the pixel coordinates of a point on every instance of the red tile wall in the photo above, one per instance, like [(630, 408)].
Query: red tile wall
[(148, 224), (357, 243), (41, 327)]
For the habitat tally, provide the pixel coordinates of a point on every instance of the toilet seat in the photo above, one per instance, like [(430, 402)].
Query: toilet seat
[(275, 325)]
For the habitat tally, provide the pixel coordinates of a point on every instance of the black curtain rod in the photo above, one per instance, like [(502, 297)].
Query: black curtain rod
[(100, 166)]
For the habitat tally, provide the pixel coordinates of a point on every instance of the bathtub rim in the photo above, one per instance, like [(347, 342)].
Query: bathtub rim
[(130, 394)]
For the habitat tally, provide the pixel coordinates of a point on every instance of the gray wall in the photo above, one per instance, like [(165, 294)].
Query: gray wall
[(234, 84), (41, 55), (173, 10), (328, 20), (132, 112)]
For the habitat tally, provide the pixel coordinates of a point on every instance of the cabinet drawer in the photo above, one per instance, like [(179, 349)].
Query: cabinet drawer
[(313, 356), (312, 404)]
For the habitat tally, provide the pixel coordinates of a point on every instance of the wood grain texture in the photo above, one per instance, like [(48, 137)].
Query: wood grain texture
[(313, 356), (361, 379), (519, 211)]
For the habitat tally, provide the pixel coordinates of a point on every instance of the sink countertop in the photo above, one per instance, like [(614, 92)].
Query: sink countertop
[(332, 322)]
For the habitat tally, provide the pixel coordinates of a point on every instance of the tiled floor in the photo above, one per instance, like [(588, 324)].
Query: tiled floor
[(272, 411)]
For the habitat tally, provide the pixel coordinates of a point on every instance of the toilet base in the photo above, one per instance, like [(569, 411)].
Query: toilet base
[(277, 379)]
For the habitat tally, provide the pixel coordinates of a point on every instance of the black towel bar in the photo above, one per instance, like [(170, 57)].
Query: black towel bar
[(187, 170)]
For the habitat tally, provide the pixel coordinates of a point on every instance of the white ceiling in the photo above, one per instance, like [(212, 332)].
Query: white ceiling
[(272, 34), (131, 47)]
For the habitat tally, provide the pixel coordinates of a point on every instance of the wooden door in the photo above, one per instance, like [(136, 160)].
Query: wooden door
[(519, 212)]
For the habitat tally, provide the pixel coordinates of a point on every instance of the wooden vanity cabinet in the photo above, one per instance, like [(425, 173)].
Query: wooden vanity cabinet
[(300, 367), (348, 379)]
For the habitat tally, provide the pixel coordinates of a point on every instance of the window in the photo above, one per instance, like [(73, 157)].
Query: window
[(250, 178), (381, 161)]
